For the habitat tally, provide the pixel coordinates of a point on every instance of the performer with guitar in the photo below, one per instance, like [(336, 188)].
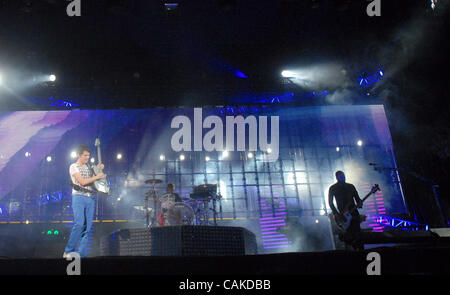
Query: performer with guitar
[(347, 200), (83, 200)]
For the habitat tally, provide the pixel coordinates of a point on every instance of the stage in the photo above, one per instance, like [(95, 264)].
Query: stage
[(394, 261)]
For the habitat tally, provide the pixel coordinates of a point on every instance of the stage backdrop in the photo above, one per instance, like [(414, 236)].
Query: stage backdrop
[(294, 154)]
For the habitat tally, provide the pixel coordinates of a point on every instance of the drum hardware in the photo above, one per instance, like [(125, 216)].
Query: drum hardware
[(179, 213), (203, 194), (151, 195)]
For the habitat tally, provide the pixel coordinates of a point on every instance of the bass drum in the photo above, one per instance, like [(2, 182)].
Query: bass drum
[(179, 214)]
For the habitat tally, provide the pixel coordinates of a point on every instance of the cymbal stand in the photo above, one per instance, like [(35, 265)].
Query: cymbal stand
[(213, 209), (147, 196)]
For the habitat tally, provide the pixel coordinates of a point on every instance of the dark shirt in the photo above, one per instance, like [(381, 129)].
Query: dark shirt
[(171, 197), (345, 193)]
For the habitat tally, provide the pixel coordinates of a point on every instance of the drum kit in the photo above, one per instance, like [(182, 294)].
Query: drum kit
[(165, 210)]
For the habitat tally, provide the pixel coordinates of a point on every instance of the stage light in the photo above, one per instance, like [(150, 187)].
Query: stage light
[(250, 155), (73, 154), (359, 143), (52, 78), (269, 150), (337, 149), (225, 154), (27, 222), (171, 6), (118, 199), (119, 156), (381, 73), (287, 74), (92, 160), (182, 157), (162, 157), (49, 159), (207, 159), (317, 220), (27, 154)]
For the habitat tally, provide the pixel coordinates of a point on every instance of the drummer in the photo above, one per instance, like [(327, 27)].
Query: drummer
[(169, 199)]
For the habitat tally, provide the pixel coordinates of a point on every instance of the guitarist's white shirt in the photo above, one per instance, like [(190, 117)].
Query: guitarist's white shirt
[(85, 172)]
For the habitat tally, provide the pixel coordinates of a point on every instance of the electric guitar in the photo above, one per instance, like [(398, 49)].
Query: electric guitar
[(350, 208), (101, 185)]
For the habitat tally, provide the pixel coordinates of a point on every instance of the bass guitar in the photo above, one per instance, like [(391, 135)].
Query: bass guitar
[(350, 208)]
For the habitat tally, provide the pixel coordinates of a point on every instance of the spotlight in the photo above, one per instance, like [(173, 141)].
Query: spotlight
[(337, 149), (269, 150), (250, 155), (287, 74), (171, 6), (224, 154), (92, 160), (207, 159), (182, 157), (73, 155), (119, 156), (52, 78), (359, 143), (162, 157), (49, 159), (118, 199), (317, 220), (27, 154), (381, 73)]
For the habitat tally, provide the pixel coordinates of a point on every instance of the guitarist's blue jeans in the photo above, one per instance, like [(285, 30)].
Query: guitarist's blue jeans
[(83, 213)]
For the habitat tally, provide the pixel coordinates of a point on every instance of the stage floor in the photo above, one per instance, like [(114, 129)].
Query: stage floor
[(394, 260)]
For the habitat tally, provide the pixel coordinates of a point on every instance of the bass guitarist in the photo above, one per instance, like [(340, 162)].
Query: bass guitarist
[(346, 197)]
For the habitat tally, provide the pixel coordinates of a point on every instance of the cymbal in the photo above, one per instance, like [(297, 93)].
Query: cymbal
[(142, 208), (150, 198), (153, 181), (207, 185)]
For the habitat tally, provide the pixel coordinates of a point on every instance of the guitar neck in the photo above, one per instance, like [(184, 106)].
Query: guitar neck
[(99, 155), (362, 200), (366, 196)]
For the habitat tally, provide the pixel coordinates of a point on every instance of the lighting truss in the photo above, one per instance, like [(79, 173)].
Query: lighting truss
[(369, 80), (54, 102), (399, 223)]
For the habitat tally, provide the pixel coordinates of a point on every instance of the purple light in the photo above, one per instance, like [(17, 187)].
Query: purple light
[(270, 232), (266, 229), (281, 246), (273, 236), (278, 243), (281, 224), (272, 221), (280, 239)]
